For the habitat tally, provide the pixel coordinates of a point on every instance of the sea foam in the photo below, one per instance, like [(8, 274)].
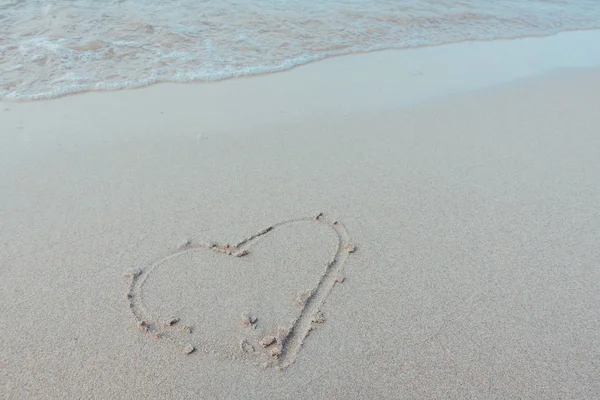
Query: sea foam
[(53, 48)]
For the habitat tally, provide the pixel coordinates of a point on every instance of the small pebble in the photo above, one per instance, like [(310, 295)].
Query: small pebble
[(319, 318), (267, 341), (143, 326), (276, 352), (189, 349), (248, 320)]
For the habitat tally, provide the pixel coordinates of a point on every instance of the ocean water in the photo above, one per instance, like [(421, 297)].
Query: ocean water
[(49, 48)]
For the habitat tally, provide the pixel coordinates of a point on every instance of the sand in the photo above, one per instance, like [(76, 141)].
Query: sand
[(169, 243)]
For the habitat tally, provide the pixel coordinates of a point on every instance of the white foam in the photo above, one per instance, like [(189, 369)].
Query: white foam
[(77, 45)]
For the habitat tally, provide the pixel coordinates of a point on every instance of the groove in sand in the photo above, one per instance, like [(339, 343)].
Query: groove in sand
[(279, 353)]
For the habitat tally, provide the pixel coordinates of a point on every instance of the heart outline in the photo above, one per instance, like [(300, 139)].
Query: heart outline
[(289, 342)]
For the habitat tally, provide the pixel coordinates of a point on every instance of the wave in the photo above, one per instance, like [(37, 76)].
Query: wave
[(54, 48)]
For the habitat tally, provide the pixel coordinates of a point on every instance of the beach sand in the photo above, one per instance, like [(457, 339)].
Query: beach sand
[(457, 255)]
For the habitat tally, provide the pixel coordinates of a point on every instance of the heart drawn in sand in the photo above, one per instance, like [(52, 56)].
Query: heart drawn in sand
[(272, 345)]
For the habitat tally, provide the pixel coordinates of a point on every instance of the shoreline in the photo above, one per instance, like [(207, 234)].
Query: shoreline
[(584, 34), (340, 86)]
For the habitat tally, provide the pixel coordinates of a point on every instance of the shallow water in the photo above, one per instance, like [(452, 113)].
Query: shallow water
[(50, 48)]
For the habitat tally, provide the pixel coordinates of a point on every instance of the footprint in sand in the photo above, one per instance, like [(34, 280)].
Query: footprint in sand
[(212, 321)]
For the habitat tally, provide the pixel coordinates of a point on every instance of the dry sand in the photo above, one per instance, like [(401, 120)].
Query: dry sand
[(457, 256)]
